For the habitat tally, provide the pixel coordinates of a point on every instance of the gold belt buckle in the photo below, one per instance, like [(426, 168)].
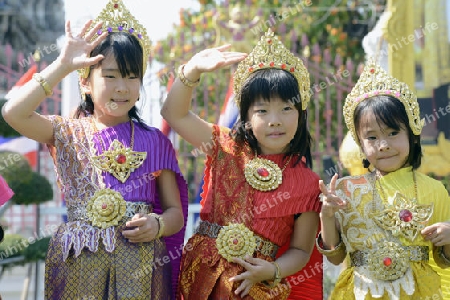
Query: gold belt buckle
[(235, 240), (389, 262), (106, 208)]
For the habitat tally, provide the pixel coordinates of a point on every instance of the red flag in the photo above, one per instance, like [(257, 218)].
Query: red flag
[(24, 79), (23, 145)]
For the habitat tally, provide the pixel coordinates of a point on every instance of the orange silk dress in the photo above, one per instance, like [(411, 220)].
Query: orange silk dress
[(227, 198)]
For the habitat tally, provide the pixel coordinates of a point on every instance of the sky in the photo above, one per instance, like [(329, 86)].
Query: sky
[(157, 16)]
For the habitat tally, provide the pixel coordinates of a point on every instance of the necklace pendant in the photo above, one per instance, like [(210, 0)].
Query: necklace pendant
[(405, 217), (263, 174), (119, 160)]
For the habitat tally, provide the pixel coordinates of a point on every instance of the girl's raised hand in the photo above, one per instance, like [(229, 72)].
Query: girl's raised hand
[(330, 202), (75, 52), (215, 58)]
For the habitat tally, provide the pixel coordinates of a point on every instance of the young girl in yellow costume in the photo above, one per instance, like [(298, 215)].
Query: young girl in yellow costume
[(126, 198), (259, 190), (390, 220)]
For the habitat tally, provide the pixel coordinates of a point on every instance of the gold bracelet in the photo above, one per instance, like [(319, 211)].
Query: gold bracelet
[(160, 220), (184, 80), (277, 277), (440, 258), (47, 89), (339, 248)]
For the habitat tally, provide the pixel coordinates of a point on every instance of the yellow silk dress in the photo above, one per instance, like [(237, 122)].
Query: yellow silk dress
[(373, 202)]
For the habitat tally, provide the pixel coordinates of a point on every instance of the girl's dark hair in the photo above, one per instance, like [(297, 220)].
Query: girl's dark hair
[(391, 112), (266, 84), (129, 57)]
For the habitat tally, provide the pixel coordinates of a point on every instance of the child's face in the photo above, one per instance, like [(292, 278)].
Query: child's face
[(112, 94), (274, 124), (385, 148)]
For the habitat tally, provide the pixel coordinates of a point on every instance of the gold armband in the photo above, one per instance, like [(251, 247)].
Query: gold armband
[(44, 84), (339, 248), (160, 220), (184, 80)]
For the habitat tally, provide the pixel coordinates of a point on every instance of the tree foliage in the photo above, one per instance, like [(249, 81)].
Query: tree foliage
[(29, 187), (5, 129)]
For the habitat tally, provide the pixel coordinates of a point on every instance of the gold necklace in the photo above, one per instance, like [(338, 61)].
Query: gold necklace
[(119, 160), (263, 174), (404, 217), (383, 195)]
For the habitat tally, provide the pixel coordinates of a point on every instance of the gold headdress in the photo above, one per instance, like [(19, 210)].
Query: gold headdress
[(117, 18), (271, 53), (375, 81)]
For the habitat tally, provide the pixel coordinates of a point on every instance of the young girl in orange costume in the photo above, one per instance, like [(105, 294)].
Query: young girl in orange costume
[(259, 191)]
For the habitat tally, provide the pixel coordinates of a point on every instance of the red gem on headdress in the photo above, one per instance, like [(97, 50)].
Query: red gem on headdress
[(262, 172), (121, 159), (283, 66), (387, 261), (405, 215), (292, 70), (372, 70), (250, 69), (272, 64), (116, 5), (235, 241), (104, 205), (261, 65), (269, 41)]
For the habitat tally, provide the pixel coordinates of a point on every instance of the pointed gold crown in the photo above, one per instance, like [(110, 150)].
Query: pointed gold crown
[(270, 53), (374, 81), (117, 18)]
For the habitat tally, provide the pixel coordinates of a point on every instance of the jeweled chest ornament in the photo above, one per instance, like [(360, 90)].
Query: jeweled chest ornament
[(405, 217), (119, 160), (263, 174)]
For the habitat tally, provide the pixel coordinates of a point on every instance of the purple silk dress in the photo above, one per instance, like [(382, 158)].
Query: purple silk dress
[(88, 262)]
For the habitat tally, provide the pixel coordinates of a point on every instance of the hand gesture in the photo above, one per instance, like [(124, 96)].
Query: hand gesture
[(75, 53), (143, 228), (438, 233), (257, 270), (215, 58), (330, 202)]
